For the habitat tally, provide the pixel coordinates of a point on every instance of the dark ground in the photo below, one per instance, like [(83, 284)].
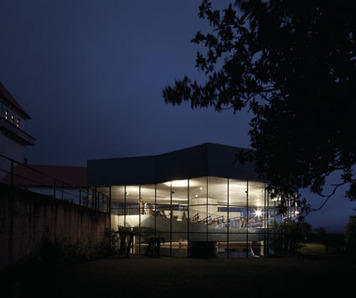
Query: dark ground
[(139, 276)]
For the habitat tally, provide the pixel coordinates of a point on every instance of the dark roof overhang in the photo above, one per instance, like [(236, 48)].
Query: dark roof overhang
[(203, 160), (16, 133)]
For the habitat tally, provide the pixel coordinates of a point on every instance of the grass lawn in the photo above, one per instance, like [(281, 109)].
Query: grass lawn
[(139, 276), (313, 249)]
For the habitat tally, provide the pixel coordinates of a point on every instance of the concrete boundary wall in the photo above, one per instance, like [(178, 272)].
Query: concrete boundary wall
[(27, 218)]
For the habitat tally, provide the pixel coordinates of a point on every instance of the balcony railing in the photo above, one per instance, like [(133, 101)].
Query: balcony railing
[(23, 176)]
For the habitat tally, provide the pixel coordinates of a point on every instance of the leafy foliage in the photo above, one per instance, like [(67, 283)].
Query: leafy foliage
[(110, 243), (293, 65), (350, 236), (290, 236)]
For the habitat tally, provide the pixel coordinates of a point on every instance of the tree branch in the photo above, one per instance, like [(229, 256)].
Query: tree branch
[(327, 197)]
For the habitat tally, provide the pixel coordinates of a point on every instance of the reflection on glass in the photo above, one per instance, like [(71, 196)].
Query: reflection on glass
[(133, 203), (198, 209), (179, 206), (117, 200), (147, 199), (217, 208), (101, 193), (198, 199)]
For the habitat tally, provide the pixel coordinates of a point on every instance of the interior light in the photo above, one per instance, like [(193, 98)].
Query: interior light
[(173, 200), (178, 183), (258, 213)]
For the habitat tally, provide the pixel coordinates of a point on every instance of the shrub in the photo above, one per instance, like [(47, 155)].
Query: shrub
[(350, 236)]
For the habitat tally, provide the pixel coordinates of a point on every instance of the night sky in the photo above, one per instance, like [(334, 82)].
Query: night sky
[(90, 73)]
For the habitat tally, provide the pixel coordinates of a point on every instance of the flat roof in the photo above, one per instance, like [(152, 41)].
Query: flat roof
[(207, 159)]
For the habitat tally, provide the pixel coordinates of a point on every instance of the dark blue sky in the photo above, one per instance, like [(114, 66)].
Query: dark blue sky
[(91, 74)]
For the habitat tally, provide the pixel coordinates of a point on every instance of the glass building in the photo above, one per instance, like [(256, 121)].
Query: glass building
[(196, 199)]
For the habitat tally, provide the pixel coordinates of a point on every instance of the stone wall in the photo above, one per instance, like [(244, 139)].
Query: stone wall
[(27, 219)]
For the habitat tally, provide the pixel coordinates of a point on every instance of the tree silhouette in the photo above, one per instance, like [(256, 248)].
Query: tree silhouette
[(292, 64)]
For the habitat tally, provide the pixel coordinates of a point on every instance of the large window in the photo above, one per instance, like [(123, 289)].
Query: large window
[(232, 214)]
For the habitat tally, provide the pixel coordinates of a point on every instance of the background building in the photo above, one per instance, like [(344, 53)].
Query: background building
[(198, 198), (13, 137)]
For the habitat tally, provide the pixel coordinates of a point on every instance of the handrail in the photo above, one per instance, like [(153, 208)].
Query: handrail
[(55, 188), (28, 167)]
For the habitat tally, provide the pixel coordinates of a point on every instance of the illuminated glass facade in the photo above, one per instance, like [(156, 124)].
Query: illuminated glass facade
[(232, 216)]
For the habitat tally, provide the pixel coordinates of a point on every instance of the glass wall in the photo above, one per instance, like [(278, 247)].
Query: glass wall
[(234, 217), (218, 214), (179, 220), (118, 200), (198, 209)]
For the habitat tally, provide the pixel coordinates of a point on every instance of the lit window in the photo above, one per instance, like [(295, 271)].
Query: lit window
[(12, 118), (18, 122), (6, 113)]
